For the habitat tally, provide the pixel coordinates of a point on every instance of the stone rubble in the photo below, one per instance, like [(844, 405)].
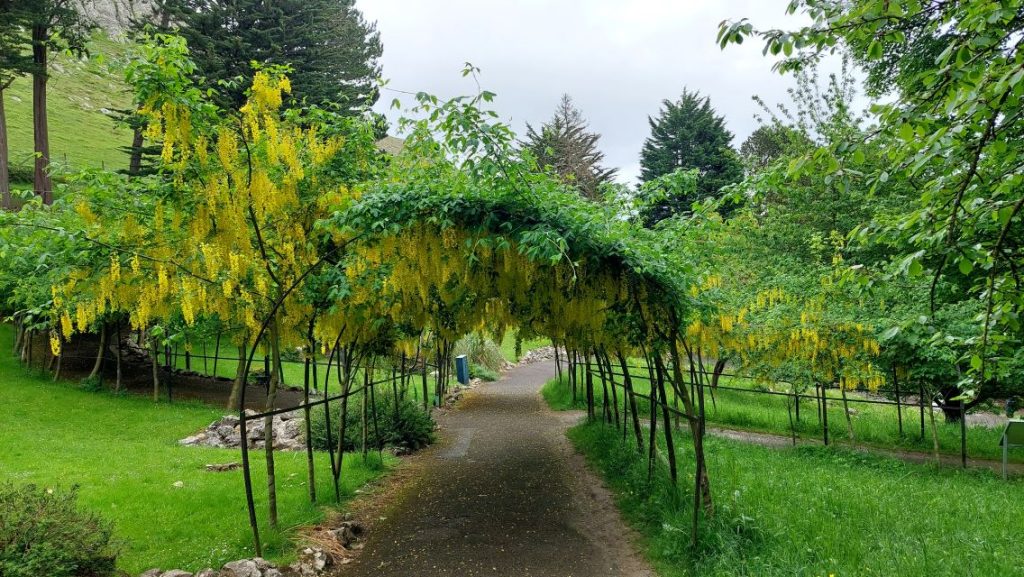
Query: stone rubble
[(541, 354), (225, 433), (312, 562)]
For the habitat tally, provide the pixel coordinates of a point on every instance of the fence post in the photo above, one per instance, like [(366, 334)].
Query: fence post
[(899, 402), (963, 434), (920, 398), (824, 412)]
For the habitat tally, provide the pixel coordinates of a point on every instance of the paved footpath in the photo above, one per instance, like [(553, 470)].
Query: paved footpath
[(502, 493)]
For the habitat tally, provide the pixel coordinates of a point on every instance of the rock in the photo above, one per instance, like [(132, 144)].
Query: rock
[(176, 573), (208, 573), (151, 573), (255, 567), (312, 562), (344, 535), (226, 433), (179, 484), (221, 467)]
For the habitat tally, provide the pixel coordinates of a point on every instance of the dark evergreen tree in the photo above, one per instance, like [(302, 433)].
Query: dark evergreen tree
[(689, 135), (564, 144), (15, 61), (51, 25), (333, 51)]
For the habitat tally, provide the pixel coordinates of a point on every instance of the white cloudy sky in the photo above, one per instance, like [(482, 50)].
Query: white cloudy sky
[(618, 60)]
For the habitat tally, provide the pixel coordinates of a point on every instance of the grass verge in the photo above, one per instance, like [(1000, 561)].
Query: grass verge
[(122, 452), (812, 512)]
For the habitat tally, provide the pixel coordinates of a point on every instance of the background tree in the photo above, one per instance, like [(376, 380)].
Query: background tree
[(14, 62), (688, 134), (954, 77), (332, 50), (53, 25), (564, 144)]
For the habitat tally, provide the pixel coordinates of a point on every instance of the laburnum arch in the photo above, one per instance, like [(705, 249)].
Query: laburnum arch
[(291, 230)]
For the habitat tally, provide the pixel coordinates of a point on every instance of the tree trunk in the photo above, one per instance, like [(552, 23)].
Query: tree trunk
[(5, 180), (117, 358), (236, 386), (41, 176), (99, 353), (268, 421), (155, 354), (135, 160), (696, 431)]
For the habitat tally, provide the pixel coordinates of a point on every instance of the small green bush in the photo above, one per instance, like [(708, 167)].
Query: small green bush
[(42, 532), (409, 428), (483, 373), (481, 351)]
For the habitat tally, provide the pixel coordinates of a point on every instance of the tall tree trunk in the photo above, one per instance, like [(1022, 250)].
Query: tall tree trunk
[(5, 179), (155, 354), (135, 160), (41, 177), (236, 386), (268, 421)]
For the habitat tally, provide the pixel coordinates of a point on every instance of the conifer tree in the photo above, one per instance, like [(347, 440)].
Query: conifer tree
[(332, 50), (564, 144), (688, 134)]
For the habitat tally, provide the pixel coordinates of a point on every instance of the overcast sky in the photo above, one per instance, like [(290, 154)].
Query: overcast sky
[(618, 60)]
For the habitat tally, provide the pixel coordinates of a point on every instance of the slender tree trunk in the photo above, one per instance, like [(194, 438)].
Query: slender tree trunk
[(156, 369), (135, 160), (695, 429), (43, 186), (236, 386), (268, 421), (627, 382), (98, 365), (117, 358), (6, 202)]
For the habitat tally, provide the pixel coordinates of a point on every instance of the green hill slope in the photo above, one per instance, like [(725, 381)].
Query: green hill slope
[(81, 94)]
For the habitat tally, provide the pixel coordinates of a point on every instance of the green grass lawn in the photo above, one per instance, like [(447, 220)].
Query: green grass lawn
[(122, 452), (82, 135), (873, 425), (813, 512)]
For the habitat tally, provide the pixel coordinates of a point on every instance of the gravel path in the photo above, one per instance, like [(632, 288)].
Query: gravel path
[(503, 493)]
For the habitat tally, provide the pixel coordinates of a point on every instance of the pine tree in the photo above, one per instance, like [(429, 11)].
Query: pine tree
[(52, 25), (689, 135), (332, 50), (564, 144), (14, 62)]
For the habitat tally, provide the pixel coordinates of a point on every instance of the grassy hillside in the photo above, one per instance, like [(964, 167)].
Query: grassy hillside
[(81, 134)]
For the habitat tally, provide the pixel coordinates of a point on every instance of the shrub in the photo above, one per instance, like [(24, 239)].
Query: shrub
[(42, 532), (482, 373), (481, 351), (410, 427)]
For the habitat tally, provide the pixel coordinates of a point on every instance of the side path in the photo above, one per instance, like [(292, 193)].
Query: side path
[(502, 493)]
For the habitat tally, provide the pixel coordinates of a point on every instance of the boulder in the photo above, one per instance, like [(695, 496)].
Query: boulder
[(312, 562), (151, 573), (255, 567), (175, 573)]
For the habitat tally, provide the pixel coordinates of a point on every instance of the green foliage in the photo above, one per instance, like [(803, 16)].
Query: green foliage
[(43, 532), (564, 146), (687, 134), (332, 51), (953, 72), (405, 426)]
